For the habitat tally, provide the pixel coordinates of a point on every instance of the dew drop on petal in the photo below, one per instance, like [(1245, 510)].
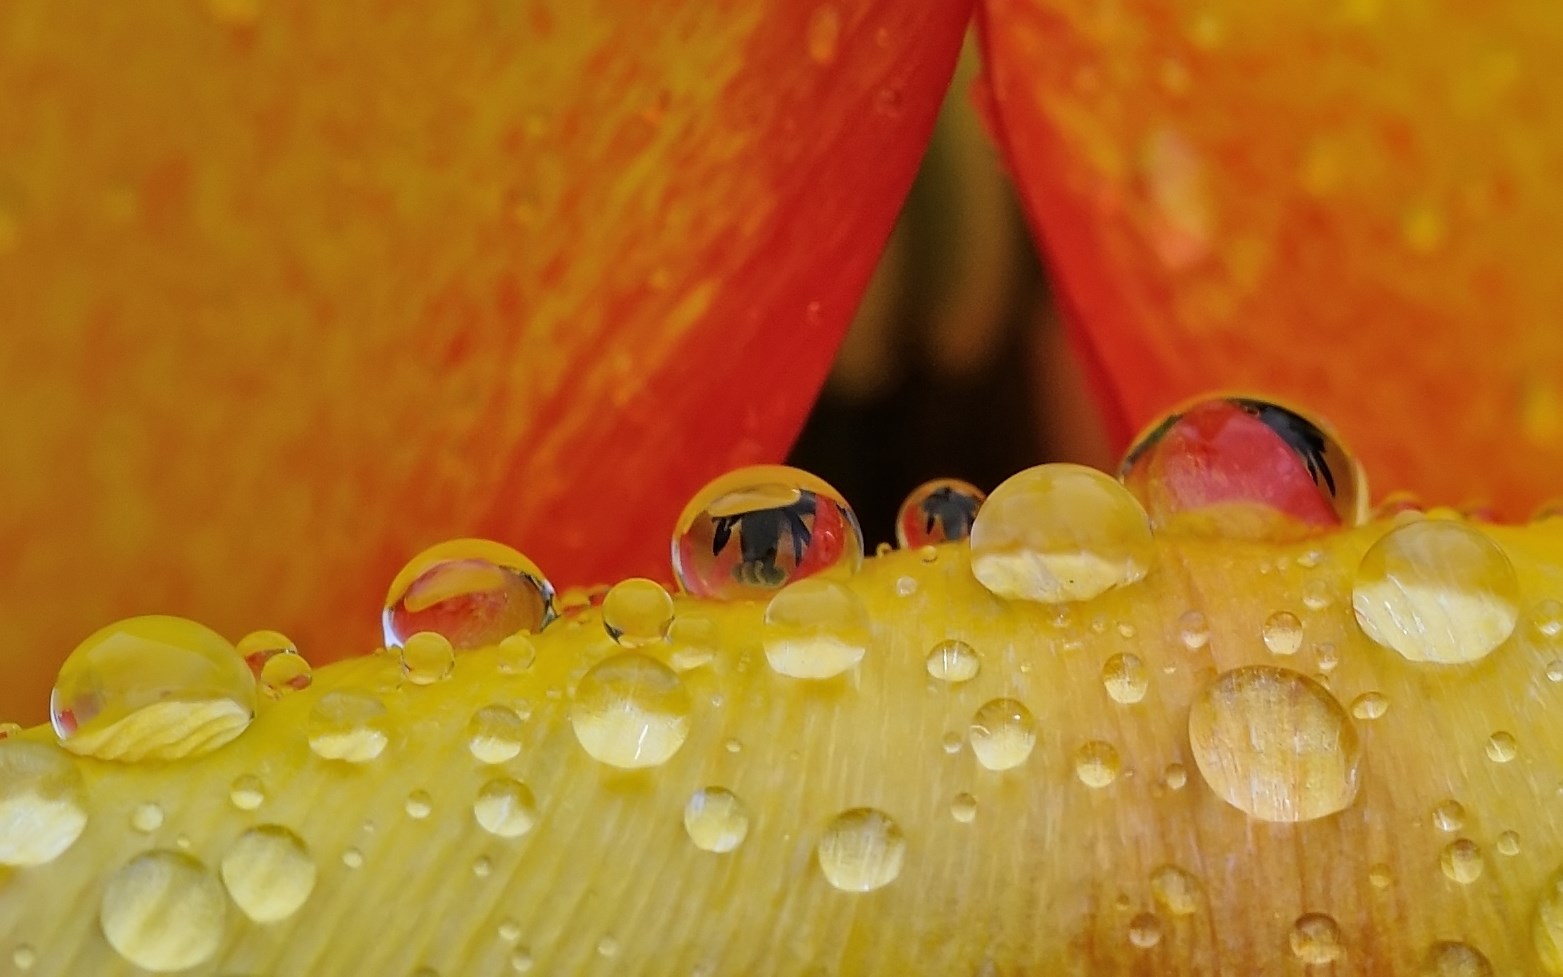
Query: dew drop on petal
[(475, 592), (1175, 890), (1501, 747), (815, 629), (505, 808), (631, 711), (1369, 705), (1449, 816), (1316, 939), (1462, 861), (637, 612), (163, 911), (1282, 633), (247, 792), (274, 660), (350, 726), (1145, 930), (268, 873), (427, 657), (1097, 764), (861, 850), (494, 734), (43, 803), (963, 808), (940, 511), (953, 661), (1125, 678), (716, 820), (146, 818), (1003, 733), (1448, 958)]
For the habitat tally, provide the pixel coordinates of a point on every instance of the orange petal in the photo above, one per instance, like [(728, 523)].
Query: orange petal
[(1349, 206), (291, 290)]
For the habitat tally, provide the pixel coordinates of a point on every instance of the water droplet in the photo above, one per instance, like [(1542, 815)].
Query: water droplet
[(1283, 633), (1003, 733), (637, 612), (1379, 876), (482, 866), (1555, 671), (1449, 816), (815, 629), (1462, 861), (1193, 630), (824, 34), (1509, 843), (963, 808), (1451, 959), (1369, 705), (1244, 468), (1125, 678), (1316, 939), (152, 687), (275, 662), (146, 818), (905, 586), (1176, 776), (24, 956), (608, 947), (1316, 595), (1145, 930), (1275, 744), (1175, 890), (427, 657), (268, 872), (953, 661), (1501, 747), (939, 511), (1097, 764), (353, 858), (521, 960), (861, 850), (951, 742), (517, 653), (509, 930), (1547, 618), (350, 726), (505, 807), (247, 792), (419, 805), (631, 711), (1547, 930), (753, 531), (1436, 591), (717, 821), (163, 911), (42, 803), (1060, 532), (475, 592), (494, 734)]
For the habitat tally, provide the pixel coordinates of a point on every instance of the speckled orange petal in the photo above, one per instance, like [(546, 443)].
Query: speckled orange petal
[(1349, 205), (290, 290)]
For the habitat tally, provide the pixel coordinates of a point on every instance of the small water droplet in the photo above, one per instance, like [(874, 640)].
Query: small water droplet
[(753, 531), (353, 858), (861, 850), (953, 661), (269, 873), (1379, 876), (1283, 633), (1462, 861), (42, 803), (905, 586), (824, 34), (24, 956), (163, 911), (951, 742), (1275, 744), (1097, 764), (517, 653), (1555, 670), (1547, 619), (693, 641), (637, 612), (1449, 816), (1060, 532), (1176, 776), (716, 820), (494, 734), (152, 687), (1316, 939), (521, 960), (608, 947), (963, 808), (1193, 630), (1003, 733), (146, 818), (1436, 591), (1316, 595), (1509, 843), (1175, 890), (939, 511), (427, 657), (247, 792), (1125, 678), (1369, 705), (1451, 959), (505, 807), (1501, 747), (815, 629), (474, 592), (1328, 657), (482, 866), (419, 805), (1145, 930), (350, 726), (509, 930), (275, 662), (631, 711)]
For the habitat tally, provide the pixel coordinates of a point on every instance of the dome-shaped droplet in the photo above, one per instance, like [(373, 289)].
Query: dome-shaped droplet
[(505, 808), (631, 711), (146, 818), (1058, 533), (637, 612), (1176, 890), (1508, 843), (939, 511), (1193, 630), (247, 792), (1275, 744), (274, 660), (1462, 861), (494, 734), (1145, 930), (755, 530), (43, 802), (1436, 591), (427, 657), (152, 687), (1316, 939), (1233, 466), (24, 956), (1449, 815), (693, 641), (815, 629), (963, 808), (419, 805), (716, 820), (861, 850), (1003, 733), (1451, 959), (163, 911), (1282, 633), (351, 726), (1125, 678), (268, 872), (1501, 747), (953, 661), (1097, 764), (1369, 705), (475, 592)]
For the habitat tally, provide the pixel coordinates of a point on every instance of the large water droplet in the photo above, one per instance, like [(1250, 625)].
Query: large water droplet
[(717, 821), (1248, 468), (861, 850), (1145, 930), (1282, 633), (1316, 939), (1508, 843), (637, 612), (1058, 533), (505, 808), (1436, 590), (1462, 861), (953, 661), (1097, 764), (475, 592), (1450, 959), (631, 711), (1003, 733), (1175, 890), (1274, 744), (755, 530), (351, 726), (427, 657), (274, 660), (1369, 705), (24, 956), (269, 873), (494, 734), (937, 512), (815, 629), (43, 803), (1125, 678), (152, 687), (163, 911)]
